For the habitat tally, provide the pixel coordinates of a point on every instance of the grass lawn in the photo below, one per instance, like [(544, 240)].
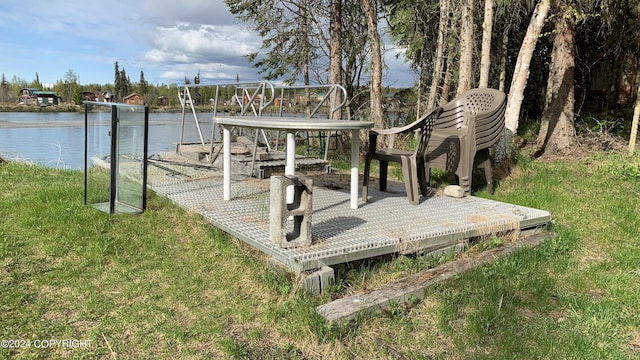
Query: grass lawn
[(166, 285)]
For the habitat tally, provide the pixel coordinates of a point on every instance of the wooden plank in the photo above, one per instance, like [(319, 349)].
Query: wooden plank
[(413, 286), (239, 149), (261, 152)]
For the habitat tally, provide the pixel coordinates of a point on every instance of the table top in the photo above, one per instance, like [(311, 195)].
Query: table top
[(290, 123)]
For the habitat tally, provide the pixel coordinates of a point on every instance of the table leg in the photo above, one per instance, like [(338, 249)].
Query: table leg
[(355, 159), (226, 163), (290, 166)]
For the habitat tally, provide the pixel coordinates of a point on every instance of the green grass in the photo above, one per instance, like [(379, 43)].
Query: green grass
[(164, 284)]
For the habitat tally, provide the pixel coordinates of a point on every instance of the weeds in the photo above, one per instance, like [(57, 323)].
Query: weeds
[(601, 125), (621, 168)]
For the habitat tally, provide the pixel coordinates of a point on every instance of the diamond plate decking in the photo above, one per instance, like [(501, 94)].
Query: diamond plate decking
[(384, 225)]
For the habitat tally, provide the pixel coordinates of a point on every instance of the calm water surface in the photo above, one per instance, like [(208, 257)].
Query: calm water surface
[(59, 142)]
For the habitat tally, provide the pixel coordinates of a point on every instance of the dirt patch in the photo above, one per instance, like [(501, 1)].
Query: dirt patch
[(587, 144), (242, 341), (603, 141), (634, 343)]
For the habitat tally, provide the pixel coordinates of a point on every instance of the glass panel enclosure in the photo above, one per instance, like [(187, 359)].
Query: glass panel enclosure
[(116, 138)]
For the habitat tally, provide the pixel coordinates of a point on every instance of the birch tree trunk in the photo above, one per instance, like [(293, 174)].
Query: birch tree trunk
[(634, 123), (503, 60), (370, 10), (335, 53), (559, 136), (443, 28), (466, 47), (519, 81), (487, 32)]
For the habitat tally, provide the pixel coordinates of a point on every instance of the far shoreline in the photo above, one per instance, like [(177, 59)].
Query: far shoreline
[(152, 108), (33, 124), (76, 108)]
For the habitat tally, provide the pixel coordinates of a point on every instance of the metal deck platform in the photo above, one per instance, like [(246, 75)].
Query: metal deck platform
[(386, 224)]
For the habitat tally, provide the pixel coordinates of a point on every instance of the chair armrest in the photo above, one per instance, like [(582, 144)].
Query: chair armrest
[(411, 127)]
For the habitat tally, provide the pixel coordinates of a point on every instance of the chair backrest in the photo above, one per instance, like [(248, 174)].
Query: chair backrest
[(426, 128), (490, 122), (424, 125), (486, 106)]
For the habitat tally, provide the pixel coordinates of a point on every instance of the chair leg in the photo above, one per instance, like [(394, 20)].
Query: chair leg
[(409, 168), (465, 171), (384, 166), (365, 179), (488, 174), (424, 177), (464, 181)]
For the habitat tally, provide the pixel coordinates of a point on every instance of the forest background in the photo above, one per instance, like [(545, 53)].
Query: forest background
[(569, 66)]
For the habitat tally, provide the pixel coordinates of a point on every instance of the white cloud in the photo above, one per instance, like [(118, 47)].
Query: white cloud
[(209, 73), (214, 50), (186, 43), (159, 56), (188, 36)]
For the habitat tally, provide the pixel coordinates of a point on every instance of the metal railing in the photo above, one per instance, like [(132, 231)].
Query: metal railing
[(331, 97), (335, 99), (253, 98), (247, 94)]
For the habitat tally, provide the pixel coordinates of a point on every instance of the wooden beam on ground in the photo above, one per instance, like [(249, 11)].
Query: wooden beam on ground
[(413, 286)]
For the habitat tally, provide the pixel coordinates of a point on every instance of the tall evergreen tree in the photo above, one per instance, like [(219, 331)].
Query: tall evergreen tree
[(117, 83), (123, 82), (36, 84), (144, 86), (4, 90)]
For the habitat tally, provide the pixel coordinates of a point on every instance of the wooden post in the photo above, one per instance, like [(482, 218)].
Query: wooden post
[(634, 123)]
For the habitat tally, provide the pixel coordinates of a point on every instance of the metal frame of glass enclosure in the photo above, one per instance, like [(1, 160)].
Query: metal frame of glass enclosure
[(115, 156)]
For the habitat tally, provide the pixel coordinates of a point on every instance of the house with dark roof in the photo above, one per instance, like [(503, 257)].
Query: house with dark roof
[(91, 96), (101, 96), (31, 96), (28, 96), (107, 96)]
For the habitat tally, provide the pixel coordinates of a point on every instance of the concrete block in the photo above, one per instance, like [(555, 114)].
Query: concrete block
[(299, 210), (318, 281)]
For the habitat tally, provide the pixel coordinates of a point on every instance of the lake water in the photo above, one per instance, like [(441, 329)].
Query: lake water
[(56, 139)]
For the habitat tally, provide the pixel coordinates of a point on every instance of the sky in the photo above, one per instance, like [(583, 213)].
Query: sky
[(166, 39)]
